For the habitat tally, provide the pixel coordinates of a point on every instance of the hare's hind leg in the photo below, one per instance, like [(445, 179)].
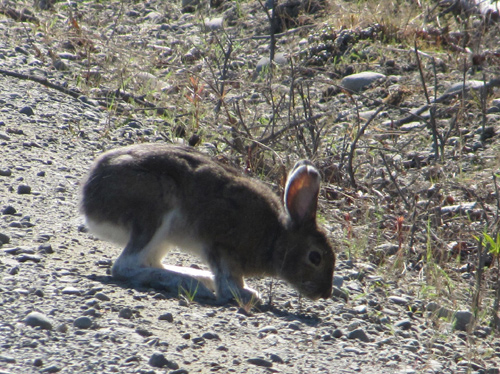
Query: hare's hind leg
[(140, 263)]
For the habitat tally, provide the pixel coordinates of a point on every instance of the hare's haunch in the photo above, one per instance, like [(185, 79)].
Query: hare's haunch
[(150, 198)]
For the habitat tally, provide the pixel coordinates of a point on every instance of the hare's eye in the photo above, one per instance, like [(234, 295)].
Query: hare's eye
[(315, 257)]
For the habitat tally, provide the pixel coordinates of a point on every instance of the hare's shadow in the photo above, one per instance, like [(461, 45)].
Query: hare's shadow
[(308, 319)]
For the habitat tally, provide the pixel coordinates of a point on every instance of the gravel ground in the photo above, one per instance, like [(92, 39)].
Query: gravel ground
[(60, 311)]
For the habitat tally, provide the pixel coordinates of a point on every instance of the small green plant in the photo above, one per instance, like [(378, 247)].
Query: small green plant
[(189, 293), (494, 250), (243, 302)]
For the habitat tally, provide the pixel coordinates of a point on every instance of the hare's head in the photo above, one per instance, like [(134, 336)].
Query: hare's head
[(306, 259)]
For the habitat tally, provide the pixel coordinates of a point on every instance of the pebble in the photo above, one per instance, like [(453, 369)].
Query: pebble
[(472, 84), (338, 281), (26, 258), (337, 333), (7, 359), (462, 318), (359, 334), (260, 362), (268, 330), (214, 23), (358, 82), (264, 62), (398, 300), (45, 249), (71, 291), (23, 189), (404, 324), (338, 292), (4, 239), (179, 371), (166, 317), (9, 210), (125, 313), (360, 309), (143, 332), (102, 296), (5, 172), (210, 336), (275, 358), (158, 360), (27, 110), (51, 369), (82, 322), (37, 319)]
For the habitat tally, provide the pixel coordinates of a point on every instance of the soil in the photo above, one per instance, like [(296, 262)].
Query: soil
[(393, 310)]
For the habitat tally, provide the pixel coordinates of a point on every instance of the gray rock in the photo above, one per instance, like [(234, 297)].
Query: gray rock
[(51, 369), (360, 309), (398, 300), (27, 110), (125, 313), (404, 324), (268, 330), (462, 319), (264, 62), (277, 359), (337, 333), (82, 322), (9, 210), (472, 84), (71, 291), (5, 172), (23, 189), (179, 371), (4, 239), (7, 359), (358, 82), (26, 258), (166, 317), (36, 319), (338, 292), (210, 336), (102, 296), (338, 281), (358, 334), (158, 360), (45, 249), (214, 23), (260, 362)]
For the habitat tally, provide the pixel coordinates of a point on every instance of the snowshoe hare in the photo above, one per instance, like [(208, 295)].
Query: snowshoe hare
[(151, 197)]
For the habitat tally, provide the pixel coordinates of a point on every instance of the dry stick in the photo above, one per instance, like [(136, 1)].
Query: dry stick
[(225, 67), (291, 125), (361, 131), (432, 122), (497, 197), (479, 276), (279, 35), (407, 204), (42, 81)]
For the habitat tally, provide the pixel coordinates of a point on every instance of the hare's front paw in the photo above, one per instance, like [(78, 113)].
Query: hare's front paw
[(228, 290)]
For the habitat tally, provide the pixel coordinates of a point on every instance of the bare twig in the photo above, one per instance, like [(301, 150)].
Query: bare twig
[(360, 133), (403, 197)]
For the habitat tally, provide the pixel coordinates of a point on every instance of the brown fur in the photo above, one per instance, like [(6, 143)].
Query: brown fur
[(240, 224)]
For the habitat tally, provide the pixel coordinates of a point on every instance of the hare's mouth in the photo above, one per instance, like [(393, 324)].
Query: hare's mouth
[(313, 292)]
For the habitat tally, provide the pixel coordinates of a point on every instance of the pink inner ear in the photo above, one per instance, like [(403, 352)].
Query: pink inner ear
[(301, 194)]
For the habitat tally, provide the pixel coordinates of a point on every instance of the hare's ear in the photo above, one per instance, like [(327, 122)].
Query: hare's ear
[(301, 193)]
